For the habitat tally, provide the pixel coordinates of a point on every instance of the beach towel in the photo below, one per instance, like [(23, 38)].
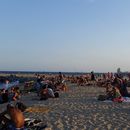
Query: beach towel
[(125, 99), (30, 124), (119, 99), (34, 124)]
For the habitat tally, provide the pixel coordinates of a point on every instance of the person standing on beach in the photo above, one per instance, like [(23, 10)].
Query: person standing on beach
[(6, 84), (93, 79), (92, 76), (60, 77)]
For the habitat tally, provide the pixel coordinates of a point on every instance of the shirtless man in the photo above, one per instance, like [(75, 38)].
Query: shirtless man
[(13, 118)]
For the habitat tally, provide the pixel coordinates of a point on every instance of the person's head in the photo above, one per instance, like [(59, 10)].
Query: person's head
[(6, 91), (44, 86), (3, 90), (7, 81), (10, 107), (92, 72), (12, 89), (21, 106)]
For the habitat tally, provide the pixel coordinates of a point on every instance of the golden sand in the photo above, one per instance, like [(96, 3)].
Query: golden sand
[(38, 109)]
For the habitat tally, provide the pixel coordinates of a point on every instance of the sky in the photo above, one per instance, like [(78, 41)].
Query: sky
[(65, 35)]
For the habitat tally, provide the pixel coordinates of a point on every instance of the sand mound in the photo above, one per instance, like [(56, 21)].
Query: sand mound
[(38, 109)]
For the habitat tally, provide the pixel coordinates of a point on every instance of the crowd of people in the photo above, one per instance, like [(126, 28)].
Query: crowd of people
[(46, 86), (115, 84), (8, 91), (49, 86), (12, 94), (116, 88)]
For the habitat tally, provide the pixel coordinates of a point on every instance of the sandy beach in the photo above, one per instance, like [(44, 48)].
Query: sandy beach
[(78, 109)]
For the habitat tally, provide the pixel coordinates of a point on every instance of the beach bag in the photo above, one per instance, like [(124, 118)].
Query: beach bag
[(102, 97)]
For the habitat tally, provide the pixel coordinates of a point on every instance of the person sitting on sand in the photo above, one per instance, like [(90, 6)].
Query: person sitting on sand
[(124, 91), (47, 92), (112, 93), (122, 85), (14, 94), (1, 100), (12, 118), (62, 87), (117, 95), (4, 96), (43, 93), (11, 94), (50, 93), (17, 117), (109, 91)]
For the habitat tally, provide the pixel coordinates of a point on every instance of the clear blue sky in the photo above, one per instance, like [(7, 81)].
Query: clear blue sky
[(65, 35)]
